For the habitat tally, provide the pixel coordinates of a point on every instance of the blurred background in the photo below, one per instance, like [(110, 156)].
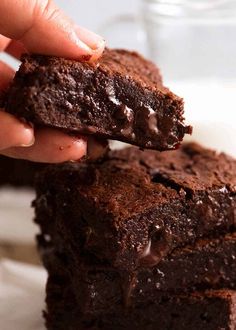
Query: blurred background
[(93, 14)]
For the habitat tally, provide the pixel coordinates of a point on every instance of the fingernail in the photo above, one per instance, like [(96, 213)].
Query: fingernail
[(26, 145), (27, 134), (83, 46), (89, 38)]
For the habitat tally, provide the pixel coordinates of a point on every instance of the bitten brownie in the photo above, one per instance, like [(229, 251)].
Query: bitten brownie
[(133, 208), (121, 97)]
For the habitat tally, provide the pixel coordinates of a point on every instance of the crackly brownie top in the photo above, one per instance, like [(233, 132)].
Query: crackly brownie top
[(192, 167), (113, 61), (128, 181)]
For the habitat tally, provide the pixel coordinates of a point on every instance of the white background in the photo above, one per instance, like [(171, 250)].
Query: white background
[(92, 13)]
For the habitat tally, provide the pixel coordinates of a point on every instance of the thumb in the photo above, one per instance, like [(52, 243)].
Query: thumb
[(43, 28)]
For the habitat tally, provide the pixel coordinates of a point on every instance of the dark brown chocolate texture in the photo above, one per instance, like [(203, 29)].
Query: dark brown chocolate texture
[(133, 208), (121, 97), (211, 310), (208, 264), (140, 240), (18, 173)]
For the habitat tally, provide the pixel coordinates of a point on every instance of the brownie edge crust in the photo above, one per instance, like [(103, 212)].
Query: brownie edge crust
[(121, 97)]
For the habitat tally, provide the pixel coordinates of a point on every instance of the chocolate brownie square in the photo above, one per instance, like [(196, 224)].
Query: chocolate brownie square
[(210, 310), (96, 302), (121, 97), (132, 208), (209, 264)]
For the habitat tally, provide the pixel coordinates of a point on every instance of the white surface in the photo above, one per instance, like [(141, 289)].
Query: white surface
[(21, 296), (16, 215), (210, 107), (93, 13)]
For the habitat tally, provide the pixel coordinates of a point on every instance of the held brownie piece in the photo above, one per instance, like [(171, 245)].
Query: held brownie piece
[(133, 208), (209, 264), (121, 97)]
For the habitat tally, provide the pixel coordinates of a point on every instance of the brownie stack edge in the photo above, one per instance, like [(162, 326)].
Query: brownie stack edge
[(140, 240)]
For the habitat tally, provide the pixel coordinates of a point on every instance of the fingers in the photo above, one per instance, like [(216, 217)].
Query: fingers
[(43, 28), (91, 38), (14, 132), (40, 28), (51, 146), (16, 49)]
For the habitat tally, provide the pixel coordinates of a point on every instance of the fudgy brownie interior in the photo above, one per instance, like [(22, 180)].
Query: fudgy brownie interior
[(121, 97)]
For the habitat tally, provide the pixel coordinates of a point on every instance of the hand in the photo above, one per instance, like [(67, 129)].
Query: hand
[(38, 26)]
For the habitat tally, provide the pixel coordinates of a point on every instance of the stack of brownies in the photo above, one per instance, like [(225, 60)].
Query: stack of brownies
[(137, 239)]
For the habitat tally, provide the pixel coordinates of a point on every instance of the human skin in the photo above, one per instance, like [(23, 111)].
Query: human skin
[(39, 26)]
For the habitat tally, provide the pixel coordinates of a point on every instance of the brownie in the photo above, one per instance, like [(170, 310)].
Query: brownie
[(132, 208), (209, 264), (121, 97), (18, 173), (211, 310)]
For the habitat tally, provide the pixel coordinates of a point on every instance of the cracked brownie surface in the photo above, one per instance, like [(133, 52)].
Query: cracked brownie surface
[(132, 208)]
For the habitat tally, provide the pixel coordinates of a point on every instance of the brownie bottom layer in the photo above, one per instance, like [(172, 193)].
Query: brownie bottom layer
[(209, 264), (92, 298), (211, 310)]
